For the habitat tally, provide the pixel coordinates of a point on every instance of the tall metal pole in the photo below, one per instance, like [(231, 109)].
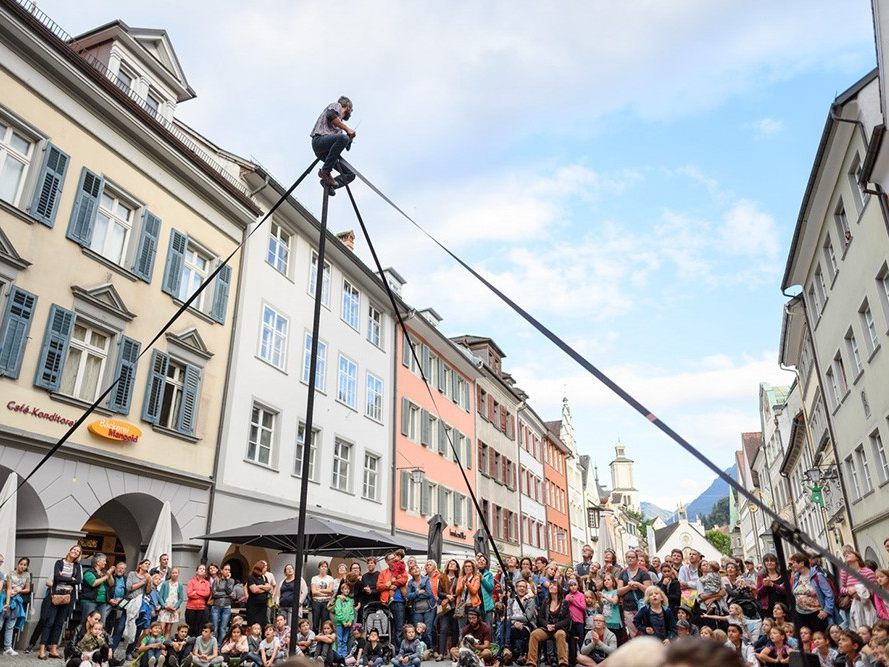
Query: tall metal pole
[(310, 414)]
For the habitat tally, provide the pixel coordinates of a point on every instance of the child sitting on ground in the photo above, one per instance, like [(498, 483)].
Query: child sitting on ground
[(93, 648), (356, 646), (152, 649), (409, 652), (425, 651), (179, 647)]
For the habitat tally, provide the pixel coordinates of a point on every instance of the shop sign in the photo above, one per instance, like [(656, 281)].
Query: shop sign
[(459, 534), (113, 429), (37, 413)]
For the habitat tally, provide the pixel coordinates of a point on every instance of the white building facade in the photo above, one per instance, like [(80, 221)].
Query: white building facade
[(532, 482)]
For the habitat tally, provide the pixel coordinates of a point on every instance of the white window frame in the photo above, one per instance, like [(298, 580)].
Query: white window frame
[(340, 480), (278, 249), (861, 460), (853, 173), (346, 383), (375, 398), (370, 483), (841, 220), (414, 426), (325, 279), (883, 287), (87, 350), (174, 386), (191, 269), (118, 199), (882, 463), (854, 352), (313, 452), (820, 285), (257, 429), (272, 341), (375, 326), (9, 152), (853, 478), (321, 371), (350, 307), (872, 336), (840, 374), (127, 71), (830, 257)]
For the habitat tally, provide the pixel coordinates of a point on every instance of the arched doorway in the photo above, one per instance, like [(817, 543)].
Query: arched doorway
[(31, 522), (870, 554), (122, 527)]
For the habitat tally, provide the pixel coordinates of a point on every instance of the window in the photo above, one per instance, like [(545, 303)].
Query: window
[(870, 329), (325, 281), (125, 79), (853, 175), (839, 369), (347, 382), (375, 326), (273, 339), (342, 454), (876, 445), (813, 298), (172, 395), (313, 449), (278, 253), (85, 365), (262, 432), (152, 103), (883, 288), (16, 151), (374, 408), (371, 485), (114, 223), (195, 269), (854, 355), (414, 419), (863, 470), (830, 257), (842, 223), (321, 368), (852, 475), (351, 305), (820, 286)]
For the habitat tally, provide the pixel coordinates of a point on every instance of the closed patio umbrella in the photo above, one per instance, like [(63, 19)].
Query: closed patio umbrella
[(482, 544), (434, 539), (161, 541), (8, 507)]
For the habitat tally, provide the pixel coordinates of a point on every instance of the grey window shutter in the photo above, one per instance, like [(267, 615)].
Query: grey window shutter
[(191, 390), (405, 349), (14, 330), (425, 360), (442, 437), (55, 348), (175, 259), (49, 186), (154, 390), (404, 490), (425, 435), (86, 206), (442, 503), (147, 249), (455, 394), (122, 394), (470, 513), (405, 416), (458, 509), (442, 378), (220, 295), (425, 498), (467, 451)]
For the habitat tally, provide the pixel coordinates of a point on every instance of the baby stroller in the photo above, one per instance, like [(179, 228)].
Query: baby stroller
[(376, 616)]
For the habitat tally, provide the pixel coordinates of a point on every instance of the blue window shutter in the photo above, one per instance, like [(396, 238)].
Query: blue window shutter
[(86, 206), (175, 259), (55, 348), (147, 250), (220, 294), (188, 411), (405, 416), (154, 390), (467, 453), (122, 394), (14, 330), (49, 185)]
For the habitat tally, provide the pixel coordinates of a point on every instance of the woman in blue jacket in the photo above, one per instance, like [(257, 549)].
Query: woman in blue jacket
[(812, 595), (487, 591), (419, 596)]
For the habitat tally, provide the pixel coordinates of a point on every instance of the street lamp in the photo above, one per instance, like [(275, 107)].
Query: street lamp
[(417, 474), (592, 516), (818, 475)]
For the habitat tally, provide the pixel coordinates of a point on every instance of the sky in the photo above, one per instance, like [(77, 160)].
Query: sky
[(629, 172)]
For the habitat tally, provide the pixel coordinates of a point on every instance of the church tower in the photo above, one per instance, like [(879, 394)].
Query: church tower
[(622, 484)]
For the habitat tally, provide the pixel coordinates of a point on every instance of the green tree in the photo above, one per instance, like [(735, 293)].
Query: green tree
[(719, 515), (640, 519), (720, 540)]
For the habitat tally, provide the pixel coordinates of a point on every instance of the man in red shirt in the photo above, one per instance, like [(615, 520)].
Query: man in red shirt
[(481, 631)]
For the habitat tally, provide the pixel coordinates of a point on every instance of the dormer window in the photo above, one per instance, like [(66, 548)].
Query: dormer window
[(125, 78), (152, 103)]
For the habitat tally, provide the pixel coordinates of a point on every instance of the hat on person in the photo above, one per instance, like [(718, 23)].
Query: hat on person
[(472, 610), (683, 624)]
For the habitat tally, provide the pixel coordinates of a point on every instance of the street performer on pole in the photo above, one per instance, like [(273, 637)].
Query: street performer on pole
[(329, 137)]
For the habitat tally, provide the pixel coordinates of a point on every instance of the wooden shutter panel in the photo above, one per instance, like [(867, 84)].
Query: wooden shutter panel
[(458, 509), (55, 348), (147, 249), (425, 435), (425, 498), (220, 294), (491, 414), (14, 328), (442, 438), (122, 394), (154, 389), (49, 185), (442, 503), (442, 377), (404, 490), (480, 401), (405, 349), (455, 394), (481, 458), (175, 259), (467, 451), (405, 416), (426, 361), (86, 206), (188, 411), (510, 427)]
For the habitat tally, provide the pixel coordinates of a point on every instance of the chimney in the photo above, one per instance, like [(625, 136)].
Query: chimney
[(431, 316), (396, 282), (348, 239)]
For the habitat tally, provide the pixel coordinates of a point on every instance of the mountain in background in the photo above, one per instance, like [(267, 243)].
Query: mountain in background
[(702, 505), (652, 511)]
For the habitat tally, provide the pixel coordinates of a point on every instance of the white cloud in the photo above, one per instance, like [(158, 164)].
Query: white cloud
[(767, 127)]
